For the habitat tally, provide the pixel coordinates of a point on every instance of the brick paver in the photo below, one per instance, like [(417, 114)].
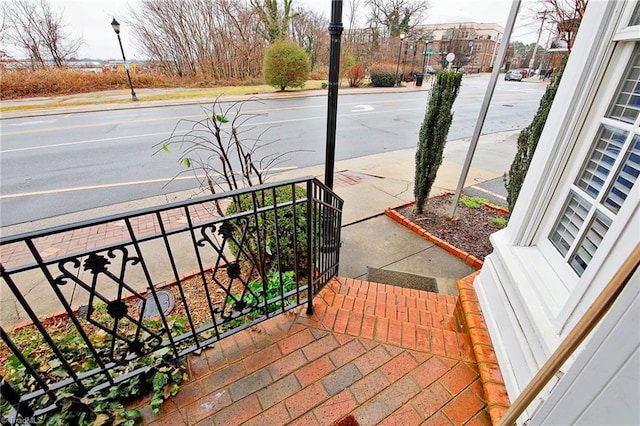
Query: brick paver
[(315, 370)]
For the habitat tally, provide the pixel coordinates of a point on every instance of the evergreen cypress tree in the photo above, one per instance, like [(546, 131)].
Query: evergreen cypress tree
[(528, 139), (433, 133)]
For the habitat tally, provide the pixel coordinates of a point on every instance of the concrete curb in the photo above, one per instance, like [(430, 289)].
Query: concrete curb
[(463, 255), (469, 316)]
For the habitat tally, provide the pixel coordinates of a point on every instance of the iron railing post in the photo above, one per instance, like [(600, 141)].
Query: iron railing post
[(310, 246)]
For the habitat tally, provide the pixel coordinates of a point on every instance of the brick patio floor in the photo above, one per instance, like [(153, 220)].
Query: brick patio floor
[(371, 353)]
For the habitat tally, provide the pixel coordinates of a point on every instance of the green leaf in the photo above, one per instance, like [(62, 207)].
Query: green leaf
[(165, 148), (54, 363), (221, 118), (186, 162), (131, 414), (162, 352), (159, 380), (101, 419), (156, 402)]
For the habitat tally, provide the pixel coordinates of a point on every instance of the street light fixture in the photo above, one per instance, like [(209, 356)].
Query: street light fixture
[(415, 50), (116, 27), (395, 83), (424, 57)]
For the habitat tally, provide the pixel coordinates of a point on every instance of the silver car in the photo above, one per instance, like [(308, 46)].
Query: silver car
[(513, 75)]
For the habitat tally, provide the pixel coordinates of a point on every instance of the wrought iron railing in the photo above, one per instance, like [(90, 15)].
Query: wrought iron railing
[(98, 296)]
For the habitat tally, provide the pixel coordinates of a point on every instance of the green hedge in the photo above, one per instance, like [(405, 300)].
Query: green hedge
[(285, 249), (382, 75)]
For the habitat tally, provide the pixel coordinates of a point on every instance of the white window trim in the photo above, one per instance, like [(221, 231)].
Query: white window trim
[(564, 140), (578, 285), (582, 148), (518, 290), (561, 130)]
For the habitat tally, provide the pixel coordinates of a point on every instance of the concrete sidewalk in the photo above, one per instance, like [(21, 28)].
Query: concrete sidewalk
[(369, 185), (121, 99)]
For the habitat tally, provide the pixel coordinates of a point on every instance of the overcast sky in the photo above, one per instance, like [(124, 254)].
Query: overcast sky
[(91, 19)]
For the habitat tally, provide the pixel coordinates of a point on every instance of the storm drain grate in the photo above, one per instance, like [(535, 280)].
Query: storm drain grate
[(149, 308)]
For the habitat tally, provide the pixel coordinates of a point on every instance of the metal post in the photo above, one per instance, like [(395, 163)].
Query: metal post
[(513, 13), (413, 63), (404, 60), (335, 31), (424, 58), (395, 83), (116, 27), (126, 68)]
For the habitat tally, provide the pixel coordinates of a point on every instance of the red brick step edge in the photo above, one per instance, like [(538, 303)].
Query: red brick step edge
[(469, 318)]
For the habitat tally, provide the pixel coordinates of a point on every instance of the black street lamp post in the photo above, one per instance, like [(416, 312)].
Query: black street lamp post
[(404, 61), (395, 83), (335, 32), (116, 27), (413, 62), (424, 58)]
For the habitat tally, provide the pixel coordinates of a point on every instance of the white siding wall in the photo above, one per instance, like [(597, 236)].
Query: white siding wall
[(602, 387)]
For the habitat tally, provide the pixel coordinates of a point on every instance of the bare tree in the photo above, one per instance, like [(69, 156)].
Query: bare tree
[(34, 27), (352, 8), (275, 25), (397, 16), (565, 17), (309, 30), (221, 40), (460, 43), (215, 40)]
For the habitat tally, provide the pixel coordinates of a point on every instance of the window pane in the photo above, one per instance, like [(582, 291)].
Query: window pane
[(590, 243), (625, 179), (626, 105), (635, 19), (609, 141), (572, 217)]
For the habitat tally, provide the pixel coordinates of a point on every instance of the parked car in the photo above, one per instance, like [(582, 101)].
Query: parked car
[(513, 75)]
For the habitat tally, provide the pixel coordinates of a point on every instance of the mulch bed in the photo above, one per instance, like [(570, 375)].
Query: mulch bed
[(468, 231)]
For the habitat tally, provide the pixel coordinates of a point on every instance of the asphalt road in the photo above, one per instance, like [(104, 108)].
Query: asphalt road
[(57, 164)]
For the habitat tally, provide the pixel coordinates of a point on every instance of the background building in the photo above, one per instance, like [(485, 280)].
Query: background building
[(474, 44)]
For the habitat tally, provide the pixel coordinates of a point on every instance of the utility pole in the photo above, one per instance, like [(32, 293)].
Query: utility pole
[(511, 20), (543, 16)]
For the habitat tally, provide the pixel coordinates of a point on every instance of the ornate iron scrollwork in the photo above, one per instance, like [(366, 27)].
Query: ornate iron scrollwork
[(233, 270), (242, 270), (124, 329), (96, 264)]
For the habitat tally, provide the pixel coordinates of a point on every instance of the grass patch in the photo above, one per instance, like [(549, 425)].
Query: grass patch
[(472, 202), (500, 221), (175, 92)]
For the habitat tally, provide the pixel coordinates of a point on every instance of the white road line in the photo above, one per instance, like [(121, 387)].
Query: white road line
[(115, 185), (489, 192), (248, 124), (30, 123), (29, 148)]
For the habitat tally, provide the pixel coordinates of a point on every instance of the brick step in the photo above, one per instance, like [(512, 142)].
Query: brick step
[(404, 333), (391, 302)]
